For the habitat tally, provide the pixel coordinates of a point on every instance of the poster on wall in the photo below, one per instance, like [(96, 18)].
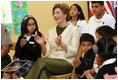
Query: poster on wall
[(12, 13)]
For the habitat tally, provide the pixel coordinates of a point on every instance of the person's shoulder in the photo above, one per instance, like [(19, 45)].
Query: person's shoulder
[(108, 16), (91, 18), (20, 37), (3, 27), (81, 22)]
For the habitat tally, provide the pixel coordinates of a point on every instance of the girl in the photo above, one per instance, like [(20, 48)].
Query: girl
[(26, 47), (107, 52), (77, 18)]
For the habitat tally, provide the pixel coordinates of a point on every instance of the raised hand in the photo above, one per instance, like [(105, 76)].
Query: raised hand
[(39, 40), (23, 42)]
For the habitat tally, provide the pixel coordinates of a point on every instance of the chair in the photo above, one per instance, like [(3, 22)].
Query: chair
[(74, 75), (13, 47), (12, 50)]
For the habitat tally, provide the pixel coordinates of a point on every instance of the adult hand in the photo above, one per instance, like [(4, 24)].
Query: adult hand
[(76, 62), (23, 42), (58, 40)]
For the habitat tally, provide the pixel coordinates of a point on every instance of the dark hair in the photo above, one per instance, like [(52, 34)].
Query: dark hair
[(81, 15), (25, 23), (99, 2), (114, 33), (106, 48), (64, 8), (87, 37), (105, 31), (89, 57)]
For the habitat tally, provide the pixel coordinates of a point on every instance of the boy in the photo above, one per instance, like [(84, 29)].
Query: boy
[(86, 43)]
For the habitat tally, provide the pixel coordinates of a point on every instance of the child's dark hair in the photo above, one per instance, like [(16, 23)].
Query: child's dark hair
[(114, 33), (87, 37), (89, 57), (81, 15), (107, 48), (24, 24), (99, 2), (105, 31)]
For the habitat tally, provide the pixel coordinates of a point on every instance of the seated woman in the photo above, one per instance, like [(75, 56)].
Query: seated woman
[(26, 47), (61, 47)]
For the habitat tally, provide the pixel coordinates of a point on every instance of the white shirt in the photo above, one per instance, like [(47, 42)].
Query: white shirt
[(94, 23), (82, 25)]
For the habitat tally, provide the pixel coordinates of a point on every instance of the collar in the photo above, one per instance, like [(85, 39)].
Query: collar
[(102, 19), (82, 55), (28, 37), (109, 61)]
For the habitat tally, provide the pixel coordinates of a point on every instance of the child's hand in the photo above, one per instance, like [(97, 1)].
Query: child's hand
[(39, 40), (23, 42), (76, 62), (85, 73)]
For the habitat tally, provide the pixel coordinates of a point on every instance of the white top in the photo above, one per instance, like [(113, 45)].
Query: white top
[(82, 25), (94, 23), (70, 37)]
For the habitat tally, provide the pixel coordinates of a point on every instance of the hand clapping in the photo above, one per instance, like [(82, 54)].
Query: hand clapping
[(23, 42), (58, 40), (39, 40)]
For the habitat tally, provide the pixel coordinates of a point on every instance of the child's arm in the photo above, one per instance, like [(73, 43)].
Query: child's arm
[(89, 72)]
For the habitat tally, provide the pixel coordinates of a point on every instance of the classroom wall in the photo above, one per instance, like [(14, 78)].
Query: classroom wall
[(42, 11)]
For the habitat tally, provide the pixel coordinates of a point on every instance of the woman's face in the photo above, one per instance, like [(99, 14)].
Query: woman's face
[(59, 16), (74, 11), (31, 26), (97, 37)]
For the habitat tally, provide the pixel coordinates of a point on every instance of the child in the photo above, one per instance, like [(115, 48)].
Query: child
[(86, 42), (107, 52), (26, 47), (77, 18), (106, 55), (102, 31)]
